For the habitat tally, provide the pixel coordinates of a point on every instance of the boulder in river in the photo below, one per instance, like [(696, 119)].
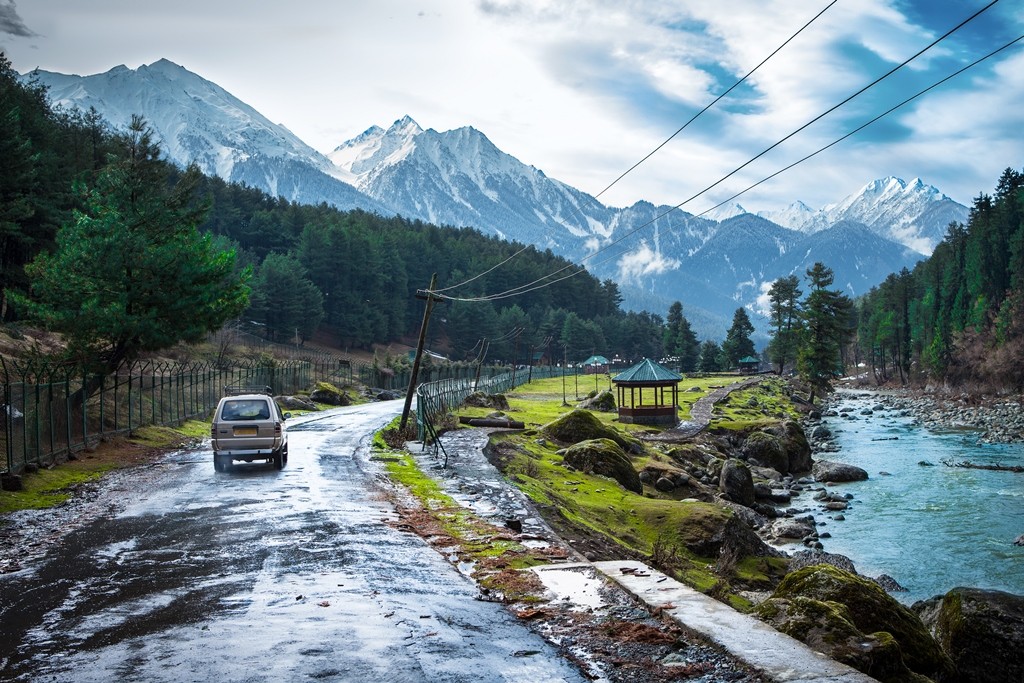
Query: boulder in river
[(1019, 540), (981, 630), (853, 620), (828, 470)]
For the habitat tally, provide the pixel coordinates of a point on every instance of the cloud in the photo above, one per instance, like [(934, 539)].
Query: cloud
[(11, 23), (644, 261)]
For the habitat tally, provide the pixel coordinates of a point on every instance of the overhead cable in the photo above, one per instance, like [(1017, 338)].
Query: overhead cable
[(665, 142), (529, 287)]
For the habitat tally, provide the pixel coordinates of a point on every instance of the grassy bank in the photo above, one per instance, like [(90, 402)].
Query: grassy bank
[(682, 531)]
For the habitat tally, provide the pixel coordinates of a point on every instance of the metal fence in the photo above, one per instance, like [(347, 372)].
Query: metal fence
[(438, 398), (48, 410)]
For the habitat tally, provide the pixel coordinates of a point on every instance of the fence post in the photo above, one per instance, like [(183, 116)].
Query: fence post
[(8, 418)]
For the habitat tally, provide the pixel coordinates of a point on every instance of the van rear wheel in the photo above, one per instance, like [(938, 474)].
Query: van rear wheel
[(279, 459)]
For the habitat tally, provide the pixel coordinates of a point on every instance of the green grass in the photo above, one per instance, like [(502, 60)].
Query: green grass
[(757, 406), (496, 557), (50, 487)]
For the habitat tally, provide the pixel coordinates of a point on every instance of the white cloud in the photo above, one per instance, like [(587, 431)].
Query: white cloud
[(642, 262)]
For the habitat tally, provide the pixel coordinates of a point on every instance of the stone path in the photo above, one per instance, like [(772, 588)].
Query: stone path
[(700, 413)]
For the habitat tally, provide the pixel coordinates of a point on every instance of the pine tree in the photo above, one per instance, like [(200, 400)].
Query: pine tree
[(680, 340), (737, 342), (131, 273), (784, 296), (826, 318), (710, 354), (284, 300)]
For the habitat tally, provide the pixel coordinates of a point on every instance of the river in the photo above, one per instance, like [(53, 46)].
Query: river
[(932, 528)]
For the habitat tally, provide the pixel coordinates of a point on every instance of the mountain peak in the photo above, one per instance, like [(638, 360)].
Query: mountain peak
[(725, 212), (405, 126)]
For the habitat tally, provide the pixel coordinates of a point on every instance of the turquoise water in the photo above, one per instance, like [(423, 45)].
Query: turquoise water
[(930, 528)]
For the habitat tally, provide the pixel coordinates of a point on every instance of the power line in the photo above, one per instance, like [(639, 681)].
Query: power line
[(663, 143), (868, 123), (529, 287), (715, 101)]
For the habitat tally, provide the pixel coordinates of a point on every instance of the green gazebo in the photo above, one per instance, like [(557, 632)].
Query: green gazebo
[(749, 364), (648, 393)]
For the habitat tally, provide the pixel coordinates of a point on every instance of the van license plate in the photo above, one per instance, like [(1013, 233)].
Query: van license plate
[(246, 431)]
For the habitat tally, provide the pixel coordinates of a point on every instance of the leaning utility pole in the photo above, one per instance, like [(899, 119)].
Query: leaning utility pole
[(429, 296)]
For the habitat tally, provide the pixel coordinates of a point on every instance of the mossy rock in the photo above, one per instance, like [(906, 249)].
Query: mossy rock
[(767, 450), (582, 425), (872, 611), (603, 402), (828, 627), (479, 399), (981, 630), (794, 443), (708, 529), (325, 392), (737, 483), (604, 457)]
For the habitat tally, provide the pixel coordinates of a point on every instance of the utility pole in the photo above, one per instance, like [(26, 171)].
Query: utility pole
[(515, 356), (480, 362), (429, 296), (565, 362)]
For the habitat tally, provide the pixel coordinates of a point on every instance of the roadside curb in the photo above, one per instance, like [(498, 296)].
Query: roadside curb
[(756, 644)]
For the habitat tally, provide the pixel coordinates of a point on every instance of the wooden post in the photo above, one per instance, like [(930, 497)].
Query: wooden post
[(419, 350)]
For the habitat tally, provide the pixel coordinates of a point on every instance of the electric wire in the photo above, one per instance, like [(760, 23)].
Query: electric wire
[(660, 146), (816, 152), (529, 287), (716, 100)]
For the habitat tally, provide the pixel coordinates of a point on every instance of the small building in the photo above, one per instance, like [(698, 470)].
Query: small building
[(596, 365), (648, 393), (750, 364)]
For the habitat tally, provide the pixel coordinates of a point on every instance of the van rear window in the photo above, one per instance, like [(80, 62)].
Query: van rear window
[(245, 410)]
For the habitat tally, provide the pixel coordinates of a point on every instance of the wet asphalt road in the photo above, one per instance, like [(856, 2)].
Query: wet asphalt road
[(260, 575)]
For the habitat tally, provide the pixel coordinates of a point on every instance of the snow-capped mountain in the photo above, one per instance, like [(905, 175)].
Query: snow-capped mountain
[(914, 214), (657, 254), (198, 121)]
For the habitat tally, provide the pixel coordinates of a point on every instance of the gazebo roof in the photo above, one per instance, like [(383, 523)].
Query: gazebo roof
[(646, 372), (750, 359), (596, 360)]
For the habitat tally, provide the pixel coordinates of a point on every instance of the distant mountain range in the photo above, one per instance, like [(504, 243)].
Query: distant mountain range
[(460, 178)]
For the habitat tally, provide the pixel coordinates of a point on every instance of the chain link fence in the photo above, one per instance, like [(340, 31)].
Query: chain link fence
[(48, 410), (436, 399)]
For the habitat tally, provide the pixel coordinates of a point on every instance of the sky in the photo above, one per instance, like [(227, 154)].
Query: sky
[(583, 89)]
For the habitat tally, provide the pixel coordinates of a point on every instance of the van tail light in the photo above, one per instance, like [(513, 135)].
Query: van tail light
[(277, 428)]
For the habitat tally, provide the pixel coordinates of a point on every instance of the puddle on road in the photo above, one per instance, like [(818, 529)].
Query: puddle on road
[(578, 587)]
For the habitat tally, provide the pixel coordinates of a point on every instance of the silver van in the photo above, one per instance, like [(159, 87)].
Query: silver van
[(248, 426)]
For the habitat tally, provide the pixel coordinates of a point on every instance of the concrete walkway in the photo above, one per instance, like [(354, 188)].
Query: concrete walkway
[(782, 658)]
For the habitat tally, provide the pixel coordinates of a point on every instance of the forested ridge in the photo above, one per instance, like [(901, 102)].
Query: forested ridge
[(957, 317)]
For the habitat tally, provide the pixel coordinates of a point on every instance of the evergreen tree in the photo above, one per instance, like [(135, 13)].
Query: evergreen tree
[(737, 342), (710, 357), (784, 296), (284, 300), (131, 272), (680, 340), (826, 318)]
